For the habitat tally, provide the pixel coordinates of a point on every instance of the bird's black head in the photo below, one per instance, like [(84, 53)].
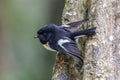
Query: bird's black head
[(45, 33)]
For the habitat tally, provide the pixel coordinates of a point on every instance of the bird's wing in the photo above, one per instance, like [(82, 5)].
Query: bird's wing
[(69, 47), (74, 26)]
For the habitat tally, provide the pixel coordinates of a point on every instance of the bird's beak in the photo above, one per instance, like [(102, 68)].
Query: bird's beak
[(36, 36)]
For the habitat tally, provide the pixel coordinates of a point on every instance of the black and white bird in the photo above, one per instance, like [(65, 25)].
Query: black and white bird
[(62, 38)]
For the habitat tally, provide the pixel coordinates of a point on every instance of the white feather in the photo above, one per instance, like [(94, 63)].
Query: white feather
[(65, 25), (77, 38), (61, 42)]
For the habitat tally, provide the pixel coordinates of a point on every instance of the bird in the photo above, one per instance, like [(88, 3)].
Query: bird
[(62, 38)]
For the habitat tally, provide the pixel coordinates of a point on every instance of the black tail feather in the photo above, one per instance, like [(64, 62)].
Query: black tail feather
[(87, 32)]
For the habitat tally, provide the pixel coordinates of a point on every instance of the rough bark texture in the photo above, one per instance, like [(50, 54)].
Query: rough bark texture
[(102, 51), (102, 54)]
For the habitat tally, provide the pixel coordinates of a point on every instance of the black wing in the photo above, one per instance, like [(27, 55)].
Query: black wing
[(74, 26), (69, 47)]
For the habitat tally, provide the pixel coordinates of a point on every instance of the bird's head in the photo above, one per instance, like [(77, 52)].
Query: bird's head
[(45, 33)]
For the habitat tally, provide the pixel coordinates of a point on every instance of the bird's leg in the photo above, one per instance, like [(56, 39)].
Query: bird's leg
[(62, 62), (61, 59)]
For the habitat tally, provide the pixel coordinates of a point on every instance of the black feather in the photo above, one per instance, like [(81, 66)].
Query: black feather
[(74, 26), (87, 32), (71, 49)]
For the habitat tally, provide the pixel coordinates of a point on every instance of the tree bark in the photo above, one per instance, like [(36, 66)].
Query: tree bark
[(102, 54), (102, 51)]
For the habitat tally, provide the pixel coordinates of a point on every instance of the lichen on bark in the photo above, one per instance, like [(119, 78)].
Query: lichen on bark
[(100, 54)]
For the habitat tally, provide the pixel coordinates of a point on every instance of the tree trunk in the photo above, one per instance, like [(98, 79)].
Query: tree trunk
[(102, 51)]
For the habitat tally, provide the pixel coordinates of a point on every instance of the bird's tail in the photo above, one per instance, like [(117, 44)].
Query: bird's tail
[(86, 32)]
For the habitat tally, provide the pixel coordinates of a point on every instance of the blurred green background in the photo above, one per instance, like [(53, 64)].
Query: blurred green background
[(21, 56)]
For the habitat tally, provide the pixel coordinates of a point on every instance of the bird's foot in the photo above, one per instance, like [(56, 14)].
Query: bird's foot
[(62, 62)]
